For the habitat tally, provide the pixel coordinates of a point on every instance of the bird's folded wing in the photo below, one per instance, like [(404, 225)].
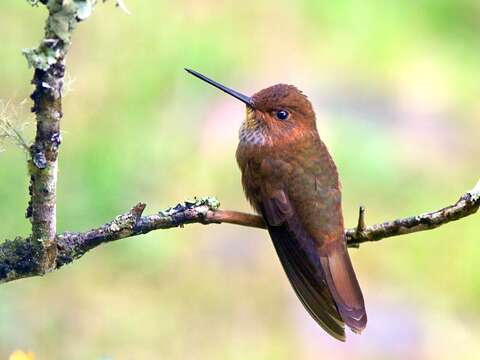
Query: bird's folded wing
[(299, 258)]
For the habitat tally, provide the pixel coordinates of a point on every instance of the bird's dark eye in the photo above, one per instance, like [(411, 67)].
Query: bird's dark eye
[(282, 114)]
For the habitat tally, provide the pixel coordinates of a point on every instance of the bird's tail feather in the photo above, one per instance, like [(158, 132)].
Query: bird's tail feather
[(343, 284)]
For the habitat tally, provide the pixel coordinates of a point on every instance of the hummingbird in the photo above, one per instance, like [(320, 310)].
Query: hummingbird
[(291, 180)]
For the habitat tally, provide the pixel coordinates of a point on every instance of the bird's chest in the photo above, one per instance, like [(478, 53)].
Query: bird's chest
[(249, 159), (262, 170)]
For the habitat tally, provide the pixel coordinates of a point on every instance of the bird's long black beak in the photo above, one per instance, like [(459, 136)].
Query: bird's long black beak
[(244, 98)]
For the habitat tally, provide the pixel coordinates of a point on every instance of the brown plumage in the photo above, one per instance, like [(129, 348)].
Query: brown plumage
[(291, 180)]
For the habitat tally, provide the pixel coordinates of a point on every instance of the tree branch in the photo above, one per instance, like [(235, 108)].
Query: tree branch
[(468, 204), (48, 61), (20, 258)]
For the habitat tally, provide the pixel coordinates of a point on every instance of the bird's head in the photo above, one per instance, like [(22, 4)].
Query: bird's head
[(276, 114)]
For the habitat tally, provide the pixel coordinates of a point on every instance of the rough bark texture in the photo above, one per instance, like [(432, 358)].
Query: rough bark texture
[(21, 257), (47, 106), (43, 159), (48, 61)]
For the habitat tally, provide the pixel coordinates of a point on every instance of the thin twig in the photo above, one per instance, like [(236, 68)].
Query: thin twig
[(8, 131)]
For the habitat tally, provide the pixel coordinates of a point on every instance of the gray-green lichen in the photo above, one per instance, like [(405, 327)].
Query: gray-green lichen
[(122, 222), (42, 57), (62, 19), (208, 202), (33, 2), (64, 15), (475, 192)]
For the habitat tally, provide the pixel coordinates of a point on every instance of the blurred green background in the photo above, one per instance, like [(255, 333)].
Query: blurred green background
[(395, 85)]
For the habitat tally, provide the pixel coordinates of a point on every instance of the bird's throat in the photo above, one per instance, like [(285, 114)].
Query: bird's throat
[(252, 131)]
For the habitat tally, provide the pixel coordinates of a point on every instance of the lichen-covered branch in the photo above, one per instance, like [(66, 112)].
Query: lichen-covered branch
[(48, 62), (21, 257)]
